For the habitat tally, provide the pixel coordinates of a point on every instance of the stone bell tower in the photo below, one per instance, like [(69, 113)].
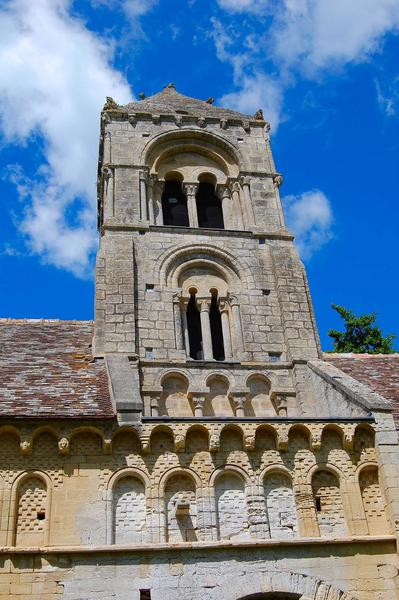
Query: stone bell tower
[(202, 304)]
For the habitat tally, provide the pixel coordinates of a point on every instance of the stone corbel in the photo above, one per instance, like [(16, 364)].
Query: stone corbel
[(145, 443), (246, 126), (179, 120), (249, 441), (315, 437), (201, 122), (107, 173), (63, 445), (26, 446), (179, 442), (214, 441), (105, 118), (349, 437), (156, 119), (282, 437), (223, 123), (107, 446)]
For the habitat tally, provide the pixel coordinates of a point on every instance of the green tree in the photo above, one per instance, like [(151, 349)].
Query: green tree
[(361, 335)]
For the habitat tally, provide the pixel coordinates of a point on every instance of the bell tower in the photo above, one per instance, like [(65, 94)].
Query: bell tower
[(202, 306)]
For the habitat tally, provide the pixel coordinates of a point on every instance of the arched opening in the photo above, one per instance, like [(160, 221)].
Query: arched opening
[(373, 501), (231, 506), (328, 503), (280, 504), (209, 209), (174, 204), (31, 519), (217, 402), (129, 511), (258, 403), (216, 327), (194, 328), (181, 509), (174, 401)]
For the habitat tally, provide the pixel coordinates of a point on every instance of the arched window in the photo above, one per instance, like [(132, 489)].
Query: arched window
[(32, 517), (216, 327), (373, 501), (209, 208), (181, 509), (328, 503), (194, 328), (231, 506), (280, 506), (174, 204), (128, 500)]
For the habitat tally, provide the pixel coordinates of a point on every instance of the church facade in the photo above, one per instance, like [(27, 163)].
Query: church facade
[(194, 441)]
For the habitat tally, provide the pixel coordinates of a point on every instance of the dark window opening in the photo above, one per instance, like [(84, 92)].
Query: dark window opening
[(318, 503), (209, 208), (41, 515), (194, 329), (145, 594), (216, 329), (174, 205)]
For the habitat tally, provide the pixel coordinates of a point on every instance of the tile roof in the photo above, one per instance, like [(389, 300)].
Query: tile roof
[(46, 370), (379, 371), (169, 101)]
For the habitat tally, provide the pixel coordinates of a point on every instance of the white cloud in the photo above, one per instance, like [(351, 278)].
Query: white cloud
[(54, 78), (259, 91), (310, 35), (310, 217), (388, 97), (305, 38), (253, 6)]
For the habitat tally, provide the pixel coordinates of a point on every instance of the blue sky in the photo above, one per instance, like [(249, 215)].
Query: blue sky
[(325, 73)]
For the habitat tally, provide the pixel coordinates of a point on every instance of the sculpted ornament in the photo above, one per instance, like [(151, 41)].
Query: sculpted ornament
[(26, 447), (277, 179), (63, 445), (258, 116), (179, 443), (110, 104), (214, 443)]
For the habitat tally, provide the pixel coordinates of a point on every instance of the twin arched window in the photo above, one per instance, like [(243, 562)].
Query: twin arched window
[(191, 205)]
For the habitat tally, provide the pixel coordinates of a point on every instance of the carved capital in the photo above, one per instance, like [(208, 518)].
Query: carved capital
[(249, 442), (234, 186), (233, 300), (107, 446), (245, 180), (222, 191), (145, 444), (190, 189), (204, 304), (143, 175)]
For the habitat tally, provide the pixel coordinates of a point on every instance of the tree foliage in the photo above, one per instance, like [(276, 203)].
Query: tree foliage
[(361, 334)]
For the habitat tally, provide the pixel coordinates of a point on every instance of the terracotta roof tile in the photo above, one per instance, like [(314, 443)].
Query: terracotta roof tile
[(379, 371), (46, 370)]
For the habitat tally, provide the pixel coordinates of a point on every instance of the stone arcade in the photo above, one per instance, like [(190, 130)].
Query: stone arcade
[(202, 447)]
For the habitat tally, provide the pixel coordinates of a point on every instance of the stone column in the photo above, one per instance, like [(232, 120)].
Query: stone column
[(224, 314), (178, 322), (237, 326), (155, 405), (205, 306), (107, 155), (184, 303), (238, 402), (150, 198), (235, 196), (190, 190), (225, 199), (157, 195), (245, 184), (108, 192), (143, 195)]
